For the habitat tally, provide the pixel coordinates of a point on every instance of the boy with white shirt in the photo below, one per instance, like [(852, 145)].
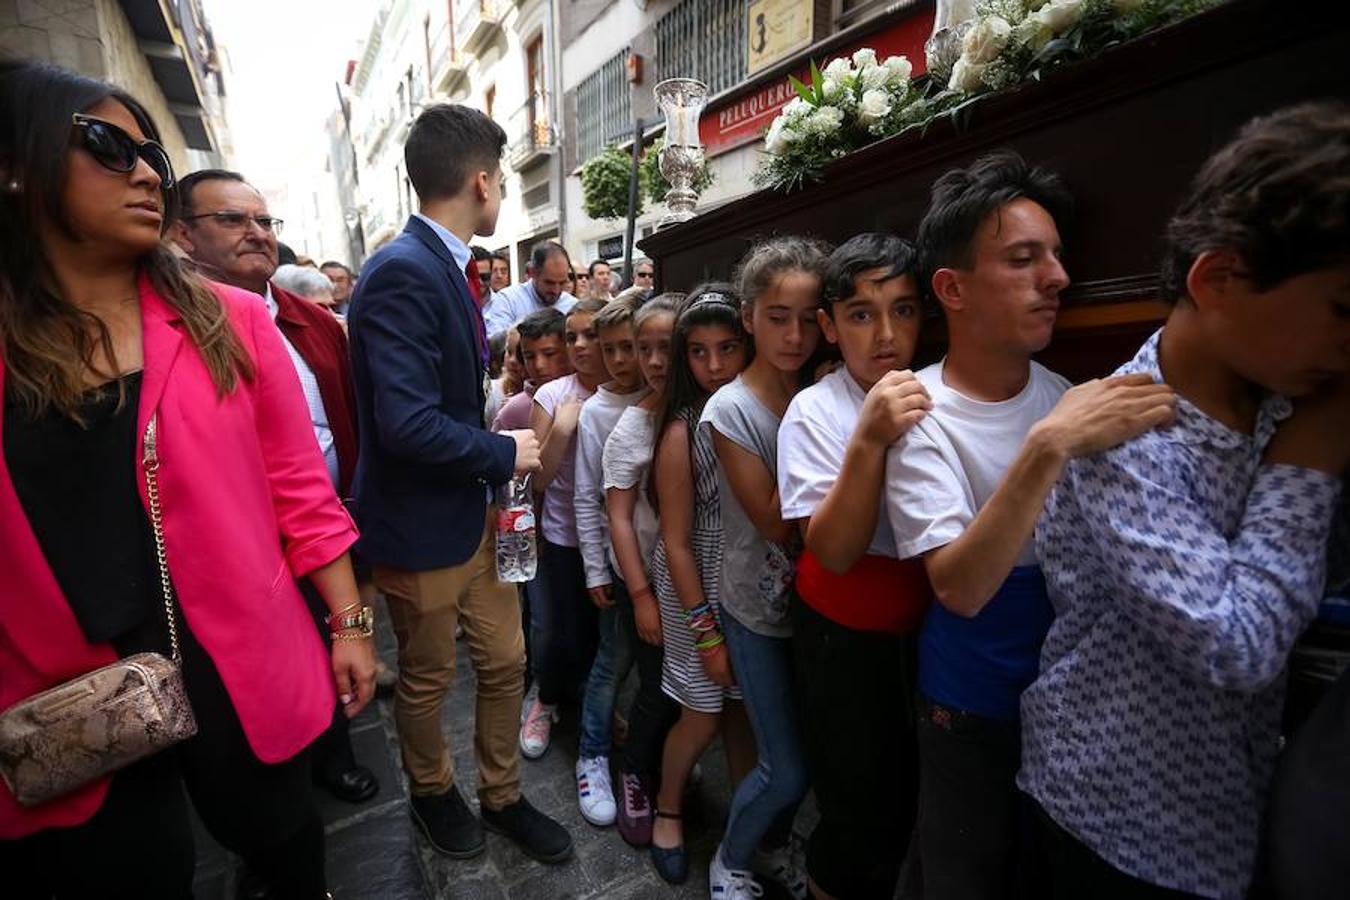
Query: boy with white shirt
[(562, 617), (614, 329), (856, 606), (964, 488)]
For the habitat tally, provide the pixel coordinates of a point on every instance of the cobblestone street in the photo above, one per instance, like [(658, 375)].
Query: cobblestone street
[(376, 853)]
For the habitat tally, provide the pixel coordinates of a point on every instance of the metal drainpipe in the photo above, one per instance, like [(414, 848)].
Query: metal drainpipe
[(555, 52)]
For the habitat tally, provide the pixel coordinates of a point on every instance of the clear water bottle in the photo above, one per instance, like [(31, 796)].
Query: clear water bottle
[(517, 557)]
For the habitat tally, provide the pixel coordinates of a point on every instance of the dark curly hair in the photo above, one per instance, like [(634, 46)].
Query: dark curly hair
[(1278, 194)]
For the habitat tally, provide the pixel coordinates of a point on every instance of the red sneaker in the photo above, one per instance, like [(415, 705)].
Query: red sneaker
[(635, 810)]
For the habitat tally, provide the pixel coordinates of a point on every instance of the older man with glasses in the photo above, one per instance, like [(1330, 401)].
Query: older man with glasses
[(229, 234)]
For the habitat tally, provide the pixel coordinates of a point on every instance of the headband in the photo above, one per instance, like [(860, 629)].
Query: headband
[(712, 297)]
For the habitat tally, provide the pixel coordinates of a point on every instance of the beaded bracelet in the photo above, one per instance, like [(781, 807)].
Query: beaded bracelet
[(716, 639), (701, 619)]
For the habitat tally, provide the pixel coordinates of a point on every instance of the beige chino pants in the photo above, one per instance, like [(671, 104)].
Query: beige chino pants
[(424, 608)]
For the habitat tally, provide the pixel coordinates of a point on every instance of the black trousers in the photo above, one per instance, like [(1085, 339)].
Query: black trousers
[(976, 835), (1076, 872), (139, 844), (855, 690), (652, 713)]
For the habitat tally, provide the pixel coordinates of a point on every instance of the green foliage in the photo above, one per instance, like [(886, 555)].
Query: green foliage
[(604, 184)]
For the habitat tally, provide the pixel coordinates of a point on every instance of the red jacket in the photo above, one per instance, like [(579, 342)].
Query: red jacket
[(322, 344), (248, 508)]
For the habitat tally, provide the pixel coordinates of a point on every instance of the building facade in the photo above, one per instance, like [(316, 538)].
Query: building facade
[(494, 55), (162, 52), (616, 51)]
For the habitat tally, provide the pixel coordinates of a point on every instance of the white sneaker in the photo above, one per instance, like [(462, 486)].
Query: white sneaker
[(783, 866), (538, 727), (730, 884), (595, 794)]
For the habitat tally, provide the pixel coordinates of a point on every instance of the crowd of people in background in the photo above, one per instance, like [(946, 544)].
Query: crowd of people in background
[(1018, 638)]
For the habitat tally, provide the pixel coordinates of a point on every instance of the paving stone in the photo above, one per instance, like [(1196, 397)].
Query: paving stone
[(376, 859)]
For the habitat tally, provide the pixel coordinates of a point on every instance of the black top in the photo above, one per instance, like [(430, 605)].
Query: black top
[(77, 485)]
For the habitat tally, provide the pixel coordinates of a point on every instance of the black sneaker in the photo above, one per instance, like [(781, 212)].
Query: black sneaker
[(535, 833), (449, 825)]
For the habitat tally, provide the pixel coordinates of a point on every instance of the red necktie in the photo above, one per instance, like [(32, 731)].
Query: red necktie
[(476, 292)]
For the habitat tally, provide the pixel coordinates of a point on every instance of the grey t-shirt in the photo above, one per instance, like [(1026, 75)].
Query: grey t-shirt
[(756, 573)]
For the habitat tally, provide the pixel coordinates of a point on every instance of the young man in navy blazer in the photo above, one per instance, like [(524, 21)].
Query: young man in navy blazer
[(424, 479)]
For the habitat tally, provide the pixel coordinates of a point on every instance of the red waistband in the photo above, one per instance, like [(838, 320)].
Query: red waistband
[(877, 594)]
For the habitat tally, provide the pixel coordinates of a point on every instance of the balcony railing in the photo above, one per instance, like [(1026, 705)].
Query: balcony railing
[(531, 134), (448, 65), (477, 23)]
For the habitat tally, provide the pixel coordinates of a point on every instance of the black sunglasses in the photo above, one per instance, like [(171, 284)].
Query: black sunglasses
[(115, 150)]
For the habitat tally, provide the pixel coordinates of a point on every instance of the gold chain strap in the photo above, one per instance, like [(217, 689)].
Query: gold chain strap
[(150, 462)]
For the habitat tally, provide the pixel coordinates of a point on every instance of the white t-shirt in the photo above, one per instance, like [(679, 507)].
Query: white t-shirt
[(598, 417), (947, 467), (626, 461), (558, 522), (811, 443)]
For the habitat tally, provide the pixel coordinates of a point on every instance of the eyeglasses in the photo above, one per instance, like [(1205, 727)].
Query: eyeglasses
[(115, 150), (485, 277), (641, 274), (237, 221)]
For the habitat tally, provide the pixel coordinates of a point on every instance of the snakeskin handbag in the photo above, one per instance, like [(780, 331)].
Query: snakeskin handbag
[(67, 736)]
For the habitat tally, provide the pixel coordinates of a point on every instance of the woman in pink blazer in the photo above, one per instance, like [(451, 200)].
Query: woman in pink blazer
[(101, 328)]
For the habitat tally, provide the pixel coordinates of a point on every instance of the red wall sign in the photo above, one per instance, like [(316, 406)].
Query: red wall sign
[(743, 118)]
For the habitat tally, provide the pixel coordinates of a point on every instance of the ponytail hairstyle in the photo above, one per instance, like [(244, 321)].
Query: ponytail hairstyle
[(714, 303), (770, 259), (48, 343)]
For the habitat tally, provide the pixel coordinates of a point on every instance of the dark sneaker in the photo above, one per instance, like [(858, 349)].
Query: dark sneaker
[(635, 810), (536, 834), (449, 825)]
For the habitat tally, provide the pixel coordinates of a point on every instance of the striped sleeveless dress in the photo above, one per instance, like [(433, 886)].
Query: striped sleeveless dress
[(682, 675)]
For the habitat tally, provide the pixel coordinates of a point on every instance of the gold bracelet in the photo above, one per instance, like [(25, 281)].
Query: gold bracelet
[(353, 635), (341, 612)]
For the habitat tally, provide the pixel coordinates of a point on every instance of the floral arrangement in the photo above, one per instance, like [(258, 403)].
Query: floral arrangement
[(1011, 41), (855, 101), (604, 181), (852, 102)]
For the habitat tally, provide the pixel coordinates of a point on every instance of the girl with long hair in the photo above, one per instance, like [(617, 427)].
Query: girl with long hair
[(626, 464), (106, 341), (708, 350), (779, 282)]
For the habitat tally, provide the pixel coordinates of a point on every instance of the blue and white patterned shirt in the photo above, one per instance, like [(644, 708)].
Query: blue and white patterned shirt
[(1181, 570)]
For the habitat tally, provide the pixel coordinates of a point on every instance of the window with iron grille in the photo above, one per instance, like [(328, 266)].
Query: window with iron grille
[(703, 39), (604, 108)]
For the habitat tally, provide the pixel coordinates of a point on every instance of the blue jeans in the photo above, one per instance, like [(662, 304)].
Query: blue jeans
[(767, 799), (613, 659)]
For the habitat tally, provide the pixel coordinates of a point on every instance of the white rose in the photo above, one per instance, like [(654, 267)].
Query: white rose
[(966, 75), (874, 77), (865, 57), (986, 39), (794, 106), (831, 88), (898, 69), (838, 69), (825, 120), (876, 104), (1060, 15), (773, 139), (1032, 32)]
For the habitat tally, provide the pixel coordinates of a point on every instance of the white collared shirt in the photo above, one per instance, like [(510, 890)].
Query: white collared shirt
[(318, 416)]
